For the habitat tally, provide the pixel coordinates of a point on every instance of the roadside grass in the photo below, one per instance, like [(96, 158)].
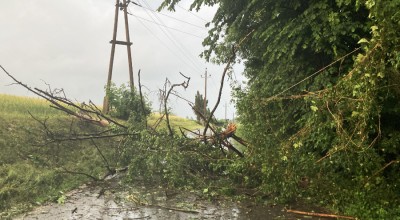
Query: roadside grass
[(20, 106), (33, 171), (175, 121)]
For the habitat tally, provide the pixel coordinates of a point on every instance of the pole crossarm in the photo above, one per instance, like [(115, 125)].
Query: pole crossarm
[(123, 7), (121, 42)]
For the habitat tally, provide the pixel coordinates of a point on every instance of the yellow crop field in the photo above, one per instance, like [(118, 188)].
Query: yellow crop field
[(12, 106)]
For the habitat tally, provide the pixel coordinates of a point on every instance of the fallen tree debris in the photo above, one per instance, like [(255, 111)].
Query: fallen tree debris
[(319, 214)]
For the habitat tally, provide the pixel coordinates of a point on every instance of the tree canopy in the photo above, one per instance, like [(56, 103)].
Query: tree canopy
[(321, 104), (199, 108)]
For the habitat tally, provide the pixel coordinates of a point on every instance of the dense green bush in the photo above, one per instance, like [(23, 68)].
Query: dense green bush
[(320, 107), (125, 102)]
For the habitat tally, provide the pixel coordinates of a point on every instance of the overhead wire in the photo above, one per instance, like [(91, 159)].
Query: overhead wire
[(204, 20), (170, 36), (188, 23), (180, 46), (167, 26), (312, 75), (214, 85), (164, 44), (192, 13)]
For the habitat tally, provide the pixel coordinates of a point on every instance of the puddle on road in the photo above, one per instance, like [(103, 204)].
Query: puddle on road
[(154, 203)]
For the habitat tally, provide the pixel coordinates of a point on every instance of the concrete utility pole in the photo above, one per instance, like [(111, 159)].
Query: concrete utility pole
[(128, 46), (113, 42), (205, 91)]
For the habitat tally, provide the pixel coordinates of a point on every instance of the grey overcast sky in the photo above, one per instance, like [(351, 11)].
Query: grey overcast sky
[(65, 44)]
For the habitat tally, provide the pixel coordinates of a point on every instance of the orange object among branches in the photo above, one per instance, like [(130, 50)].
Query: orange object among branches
[(229, 131)]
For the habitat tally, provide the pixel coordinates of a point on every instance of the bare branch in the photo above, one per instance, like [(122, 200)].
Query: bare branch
[(184, 84), (81, 138), (102, 156), (62, 103), (158, 121), (80, 173), (230, 60), (320, 214)]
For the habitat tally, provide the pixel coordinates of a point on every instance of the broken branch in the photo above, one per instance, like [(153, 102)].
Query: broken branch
[(319, 214), (184, 84)]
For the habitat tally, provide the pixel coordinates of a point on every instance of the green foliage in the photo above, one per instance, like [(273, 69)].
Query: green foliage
[(158, 159), (126, 103), (329, 134), (356, 121), (199, 107), (321, 115)]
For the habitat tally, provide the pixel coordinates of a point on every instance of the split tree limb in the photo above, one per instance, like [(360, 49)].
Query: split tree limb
[(220, 138), (207, 125), (230, 60), (184, 84)]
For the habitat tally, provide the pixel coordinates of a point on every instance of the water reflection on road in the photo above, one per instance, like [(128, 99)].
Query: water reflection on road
[(155, 203)]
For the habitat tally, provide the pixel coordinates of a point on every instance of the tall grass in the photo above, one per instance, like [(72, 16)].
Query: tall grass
[(20, 106), (31, 169), (175, 121)]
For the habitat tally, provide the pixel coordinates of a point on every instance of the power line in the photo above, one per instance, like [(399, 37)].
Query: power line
[(166, 26), (194, 25), (214, 85), (171, 37), (192, 13), (178, 44), (164, 44), (315, 73)]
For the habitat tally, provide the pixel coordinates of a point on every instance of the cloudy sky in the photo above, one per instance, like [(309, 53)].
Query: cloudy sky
[(65, 44)]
